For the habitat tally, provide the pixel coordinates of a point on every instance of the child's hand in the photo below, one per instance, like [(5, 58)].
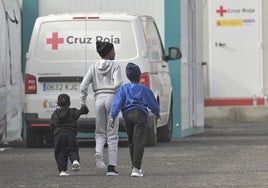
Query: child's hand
[(111, 123), (84, 109), (158, 118)]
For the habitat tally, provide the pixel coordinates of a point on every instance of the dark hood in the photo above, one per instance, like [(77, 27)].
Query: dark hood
[(61, 114)]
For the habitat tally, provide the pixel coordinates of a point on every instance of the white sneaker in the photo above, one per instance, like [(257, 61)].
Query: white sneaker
[(136, 172), (64, 173), (99, 162), (76, 166)]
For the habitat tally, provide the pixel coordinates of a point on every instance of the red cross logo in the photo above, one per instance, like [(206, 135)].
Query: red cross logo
[(221, 11), (55, 40)]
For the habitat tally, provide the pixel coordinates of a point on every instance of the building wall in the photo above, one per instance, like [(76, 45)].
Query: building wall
[(31, 13), (265, 43), (230, 114), (206, 46)]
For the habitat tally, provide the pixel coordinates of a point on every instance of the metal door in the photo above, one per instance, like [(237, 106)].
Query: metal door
[(235, 68), (191, 69)]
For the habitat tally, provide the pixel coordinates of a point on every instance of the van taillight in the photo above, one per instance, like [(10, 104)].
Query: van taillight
[(30, 84), (145, 79)]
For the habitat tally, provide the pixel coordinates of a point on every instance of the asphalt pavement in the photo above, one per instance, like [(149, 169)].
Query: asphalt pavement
[(227, 155)]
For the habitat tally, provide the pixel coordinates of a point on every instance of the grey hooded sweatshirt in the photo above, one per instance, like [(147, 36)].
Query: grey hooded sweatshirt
[(105, 77)]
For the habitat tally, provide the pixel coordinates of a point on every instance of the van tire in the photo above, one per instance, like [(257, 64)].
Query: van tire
[(34, 138), (164, 133), (151, 132)]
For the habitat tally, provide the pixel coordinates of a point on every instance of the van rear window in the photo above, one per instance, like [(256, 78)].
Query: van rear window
[(76, 40)]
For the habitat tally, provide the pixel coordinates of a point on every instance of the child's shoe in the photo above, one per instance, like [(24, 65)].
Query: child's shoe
[(76, 166), (136, 172), (112, 171), (64, 173)]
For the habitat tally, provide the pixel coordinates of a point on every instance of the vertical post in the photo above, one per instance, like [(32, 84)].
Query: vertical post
[(172, 38), (29, 14)]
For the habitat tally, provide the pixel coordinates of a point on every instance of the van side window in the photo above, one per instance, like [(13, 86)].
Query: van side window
[(154, 43)]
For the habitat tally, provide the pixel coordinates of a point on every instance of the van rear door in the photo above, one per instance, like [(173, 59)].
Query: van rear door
[(56, 64)]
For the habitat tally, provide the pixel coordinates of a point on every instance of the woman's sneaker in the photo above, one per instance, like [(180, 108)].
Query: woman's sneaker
[(112, 171), (64, 173), (136, 172), (76, 166)]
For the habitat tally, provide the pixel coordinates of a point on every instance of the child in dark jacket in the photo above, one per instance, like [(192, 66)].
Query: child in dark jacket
[(133, 99), (63, 123)]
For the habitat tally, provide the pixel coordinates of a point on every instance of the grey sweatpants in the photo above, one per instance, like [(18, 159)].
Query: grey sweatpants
[(104, 133)]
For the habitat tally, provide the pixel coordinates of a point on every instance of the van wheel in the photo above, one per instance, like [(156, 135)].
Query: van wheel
[(151, 132), (164, 133), (34, 138)]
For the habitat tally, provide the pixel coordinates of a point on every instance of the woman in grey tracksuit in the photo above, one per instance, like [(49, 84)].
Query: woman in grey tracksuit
[(105, 77)]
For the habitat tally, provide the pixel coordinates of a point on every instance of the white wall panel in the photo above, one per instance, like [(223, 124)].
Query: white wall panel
[(235, 49)]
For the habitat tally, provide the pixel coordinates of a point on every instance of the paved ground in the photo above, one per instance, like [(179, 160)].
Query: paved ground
[(234, 155)]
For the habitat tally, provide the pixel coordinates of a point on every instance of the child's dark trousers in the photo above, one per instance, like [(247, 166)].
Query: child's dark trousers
[(135, 124), (65, 145)]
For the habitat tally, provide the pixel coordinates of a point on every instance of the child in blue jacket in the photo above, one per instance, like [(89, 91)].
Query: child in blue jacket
[(133, 99)]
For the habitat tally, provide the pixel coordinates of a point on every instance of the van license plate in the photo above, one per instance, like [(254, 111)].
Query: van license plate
[(50, 87)]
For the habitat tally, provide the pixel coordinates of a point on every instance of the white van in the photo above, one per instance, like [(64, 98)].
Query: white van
[(62, 48)]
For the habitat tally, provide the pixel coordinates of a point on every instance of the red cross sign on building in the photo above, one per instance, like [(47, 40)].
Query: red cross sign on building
[(221, 11), (55, 40)]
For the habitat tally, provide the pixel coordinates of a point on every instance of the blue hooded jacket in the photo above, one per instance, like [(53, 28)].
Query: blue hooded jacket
[(132, 96)]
